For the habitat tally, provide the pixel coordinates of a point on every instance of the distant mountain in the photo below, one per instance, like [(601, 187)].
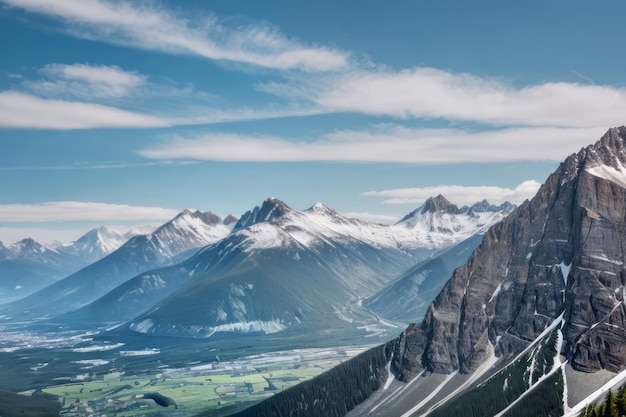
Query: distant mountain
[(407, 298), (279, 270), (533, 324), (96, 244), (188, 230), (441, 223), (27, 266)]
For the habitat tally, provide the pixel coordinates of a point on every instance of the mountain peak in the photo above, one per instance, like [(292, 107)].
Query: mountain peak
[(321, 209), (438, 204), (230, 219), (485, 206), (271, 209)]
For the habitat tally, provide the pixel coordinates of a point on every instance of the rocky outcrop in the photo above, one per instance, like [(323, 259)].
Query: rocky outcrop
[(562, 253)]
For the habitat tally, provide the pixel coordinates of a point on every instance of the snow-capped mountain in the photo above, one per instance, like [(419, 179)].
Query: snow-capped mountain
[(438, 223), (186, 232), (27, 266), (280, 269), (97, 243), (533, 324)]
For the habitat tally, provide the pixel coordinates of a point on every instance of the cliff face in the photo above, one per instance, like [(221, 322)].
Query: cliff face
[(560, 253)]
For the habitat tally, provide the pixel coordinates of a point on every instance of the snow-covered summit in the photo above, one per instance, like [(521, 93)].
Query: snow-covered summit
[(188, 230), (271, 209), (434, 225), (439, 223), (28, 248)]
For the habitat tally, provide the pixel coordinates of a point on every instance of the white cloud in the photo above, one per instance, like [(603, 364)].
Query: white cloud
[(25, 111), (458, 194), (385, 143), (148, 25), (87, 80), (431, 93), (76, 211)]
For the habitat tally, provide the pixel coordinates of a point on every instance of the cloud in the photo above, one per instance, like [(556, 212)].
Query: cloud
[(458, 194), (95, 165), (85, 80), (430, 93), (25, 111), (384, 143), (76, 211), (148, 25)]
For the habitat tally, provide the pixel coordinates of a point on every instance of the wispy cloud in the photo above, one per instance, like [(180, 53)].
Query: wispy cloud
[(384, 143), (430, 93), (92, 81), (458, 194), (94, 165), (25, 111), (148, 25), (77, 211)]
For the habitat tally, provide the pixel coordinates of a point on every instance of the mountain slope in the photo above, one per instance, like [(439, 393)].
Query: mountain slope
[(538, 306), (300, 270), (276, 260), (186, 231), (407, 298)]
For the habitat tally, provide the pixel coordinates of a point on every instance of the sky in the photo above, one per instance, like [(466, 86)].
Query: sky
[(127, 112)]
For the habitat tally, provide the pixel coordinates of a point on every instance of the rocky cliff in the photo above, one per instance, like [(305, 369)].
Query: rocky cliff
[(562, 253)]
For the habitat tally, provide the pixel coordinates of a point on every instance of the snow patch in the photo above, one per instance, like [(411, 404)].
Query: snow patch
[(565, 270), (390, 376), (267, 327), (143, 326), (614, 175)]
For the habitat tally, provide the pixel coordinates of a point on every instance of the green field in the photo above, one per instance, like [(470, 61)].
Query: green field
[(223, 387)]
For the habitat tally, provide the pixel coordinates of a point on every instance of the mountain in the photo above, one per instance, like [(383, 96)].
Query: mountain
[(27, 266), (442, 224), (407, 298), (276, 262), (532, 324), (279, 270), (96, 244), (189, 230)]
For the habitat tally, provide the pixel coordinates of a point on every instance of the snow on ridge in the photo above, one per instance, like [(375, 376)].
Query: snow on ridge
[(616, 175)]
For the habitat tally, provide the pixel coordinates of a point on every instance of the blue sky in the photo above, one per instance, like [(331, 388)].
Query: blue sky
[(115, 112)]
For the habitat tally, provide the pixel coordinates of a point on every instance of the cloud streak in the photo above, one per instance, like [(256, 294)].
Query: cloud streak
[(430, 93), (76, 211), (458, 194), (385, 143), (99, 81), (147, 25), (25, 111)]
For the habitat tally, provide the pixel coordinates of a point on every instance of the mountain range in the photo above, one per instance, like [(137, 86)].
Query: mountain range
[(188, 231), (277, 270), (532, 324), (27, 266)]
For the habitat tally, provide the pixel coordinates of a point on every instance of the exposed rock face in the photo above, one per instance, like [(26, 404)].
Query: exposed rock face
[(561, 253)]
